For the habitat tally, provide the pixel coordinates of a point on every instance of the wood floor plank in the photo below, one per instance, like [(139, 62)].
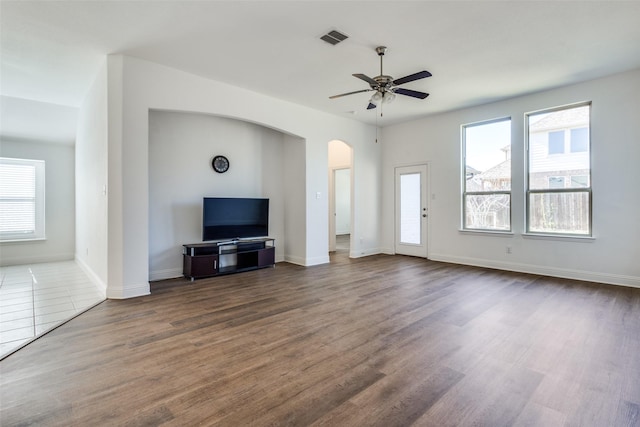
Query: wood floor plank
[(380, 340)]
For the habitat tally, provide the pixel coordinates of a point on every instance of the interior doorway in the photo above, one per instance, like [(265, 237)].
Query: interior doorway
[(342, 209), (340, 196)]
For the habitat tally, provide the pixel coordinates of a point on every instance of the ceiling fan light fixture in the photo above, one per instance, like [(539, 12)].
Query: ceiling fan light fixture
[(377, 97), (388, 97)]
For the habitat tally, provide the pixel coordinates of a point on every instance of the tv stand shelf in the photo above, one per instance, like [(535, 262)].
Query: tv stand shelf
[(225, 257)]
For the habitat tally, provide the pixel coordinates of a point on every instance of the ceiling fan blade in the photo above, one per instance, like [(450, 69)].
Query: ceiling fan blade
[(366, 79), (410, 92), (371, 106), (350, 93), (416, 76)]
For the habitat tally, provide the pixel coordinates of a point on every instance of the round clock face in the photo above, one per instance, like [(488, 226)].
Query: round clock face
[(220, 164)]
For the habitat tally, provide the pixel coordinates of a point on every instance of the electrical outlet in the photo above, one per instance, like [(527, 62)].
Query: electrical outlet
[(508, 249)]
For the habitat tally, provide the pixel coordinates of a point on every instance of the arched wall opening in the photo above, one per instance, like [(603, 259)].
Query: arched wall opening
[(181, 147)]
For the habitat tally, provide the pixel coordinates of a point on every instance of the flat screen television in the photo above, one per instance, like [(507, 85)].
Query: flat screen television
[(234, 218)]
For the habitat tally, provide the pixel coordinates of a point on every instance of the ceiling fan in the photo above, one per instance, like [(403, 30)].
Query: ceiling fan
[(386, 87)]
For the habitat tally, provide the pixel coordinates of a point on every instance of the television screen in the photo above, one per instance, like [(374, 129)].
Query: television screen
[(234, 218)]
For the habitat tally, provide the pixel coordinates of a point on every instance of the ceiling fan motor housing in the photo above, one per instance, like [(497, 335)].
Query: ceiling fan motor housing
[(384, 82)]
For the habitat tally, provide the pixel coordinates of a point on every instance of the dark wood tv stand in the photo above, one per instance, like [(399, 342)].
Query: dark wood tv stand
[(228, 256)]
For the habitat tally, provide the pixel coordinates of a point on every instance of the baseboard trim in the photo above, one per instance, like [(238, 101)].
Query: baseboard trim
[(38, 259), (119, 292), (92, 275), (317, 260), (168, 273), (565, 273), (294, 260), (364, 252), (306, 262)]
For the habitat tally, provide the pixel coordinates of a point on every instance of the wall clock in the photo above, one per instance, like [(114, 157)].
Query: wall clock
[(220, 164)]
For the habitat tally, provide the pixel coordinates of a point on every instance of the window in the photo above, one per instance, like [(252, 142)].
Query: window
[(556, 142), (579, 140), (580, 181), (559, 184), (556, 182), (21, 199), (486, 199)]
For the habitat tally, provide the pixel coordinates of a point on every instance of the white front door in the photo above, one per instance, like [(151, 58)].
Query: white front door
[(412, 212)]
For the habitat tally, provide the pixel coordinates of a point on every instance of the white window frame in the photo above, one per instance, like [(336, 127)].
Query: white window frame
[(529, 191), (39, 199), (466, 193)]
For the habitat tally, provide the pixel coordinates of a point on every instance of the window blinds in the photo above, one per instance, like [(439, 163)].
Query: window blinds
[(19, 195)]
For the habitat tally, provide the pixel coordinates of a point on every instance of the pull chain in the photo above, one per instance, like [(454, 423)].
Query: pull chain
[(376, 128)]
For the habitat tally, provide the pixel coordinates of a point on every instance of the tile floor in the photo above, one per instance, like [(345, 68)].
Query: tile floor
[(36, 298)]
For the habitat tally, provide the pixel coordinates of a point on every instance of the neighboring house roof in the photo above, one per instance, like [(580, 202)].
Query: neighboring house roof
[(472, 171), (499, 171), (561, 119)]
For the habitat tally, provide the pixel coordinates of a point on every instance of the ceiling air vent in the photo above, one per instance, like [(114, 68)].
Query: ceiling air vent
[(334, 37)]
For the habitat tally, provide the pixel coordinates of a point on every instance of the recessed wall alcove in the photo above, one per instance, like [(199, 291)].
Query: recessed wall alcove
[(263, 162)]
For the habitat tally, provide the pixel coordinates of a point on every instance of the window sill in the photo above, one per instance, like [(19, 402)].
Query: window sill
[(559, 237), (487, 233), (31, 240)]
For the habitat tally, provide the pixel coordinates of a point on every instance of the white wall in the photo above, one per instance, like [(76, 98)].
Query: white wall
[(295, 219), (91, 181), (59, 203), (181, 146), (145, 86), (611, 257), (366, 225)]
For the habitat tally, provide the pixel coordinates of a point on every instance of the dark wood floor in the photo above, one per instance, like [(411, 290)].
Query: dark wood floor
[(377, 341)]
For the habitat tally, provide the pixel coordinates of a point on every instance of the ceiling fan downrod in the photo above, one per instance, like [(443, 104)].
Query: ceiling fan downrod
[(381, 51)]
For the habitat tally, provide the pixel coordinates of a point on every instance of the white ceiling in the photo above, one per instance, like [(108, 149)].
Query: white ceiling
[(477, 51)]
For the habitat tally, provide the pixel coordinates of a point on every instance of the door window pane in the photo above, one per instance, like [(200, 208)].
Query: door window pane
[(410, 204)]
